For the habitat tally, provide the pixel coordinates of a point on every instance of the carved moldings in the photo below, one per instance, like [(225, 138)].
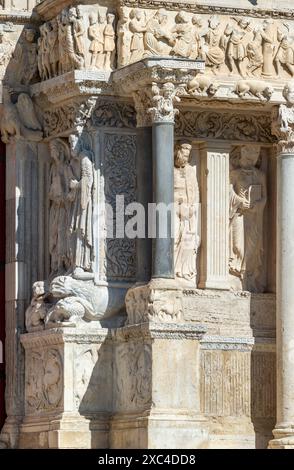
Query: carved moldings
[(44, 380), (224, 125), (109, 113), (283, 121)]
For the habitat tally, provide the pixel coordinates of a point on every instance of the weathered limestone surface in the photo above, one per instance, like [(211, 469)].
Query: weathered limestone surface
[(126, 342)]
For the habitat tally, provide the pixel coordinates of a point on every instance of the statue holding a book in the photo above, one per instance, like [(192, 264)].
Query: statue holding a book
[(248, 197)]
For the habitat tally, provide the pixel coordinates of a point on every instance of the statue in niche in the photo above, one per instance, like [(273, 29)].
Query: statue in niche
[(186, 200), (214, 54), (248, 196), (124, 37), (95, 33), (285, 53), (109, 42), (158, 40), (81, 208), (254, 53), (78, 31), (53, 48), (268, 47), (138, 28), (199, 31), (283, 118), (183, 36), (60, 175), (235, 50)]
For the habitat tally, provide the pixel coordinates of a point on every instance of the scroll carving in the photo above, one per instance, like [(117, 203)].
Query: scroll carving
[(224, 125)]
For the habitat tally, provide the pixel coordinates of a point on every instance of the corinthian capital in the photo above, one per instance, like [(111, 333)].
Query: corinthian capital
[(283, 121), (164, 98)]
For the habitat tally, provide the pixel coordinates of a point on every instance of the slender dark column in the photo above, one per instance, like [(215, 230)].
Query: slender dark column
[(163, 190), (144, 197)]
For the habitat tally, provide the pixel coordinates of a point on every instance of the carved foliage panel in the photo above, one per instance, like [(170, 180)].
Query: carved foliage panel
[(44, 380), (132, 376), (119, 172)]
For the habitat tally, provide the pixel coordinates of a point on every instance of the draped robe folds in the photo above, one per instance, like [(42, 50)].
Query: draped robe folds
[(81, 217), (186, 199), (246, 229)]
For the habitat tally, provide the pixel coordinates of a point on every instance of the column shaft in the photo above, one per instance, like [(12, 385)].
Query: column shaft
[(144, 197), (163, 190), (285, 291)]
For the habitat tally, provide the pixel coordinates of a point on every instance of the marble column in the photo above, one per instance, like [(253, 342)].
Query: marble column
[(215, 163), (144, 188), (283, 128)]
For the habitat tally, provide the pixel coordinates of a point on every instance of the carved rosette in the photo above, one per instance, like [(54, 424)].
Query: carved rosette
[(283, 128)]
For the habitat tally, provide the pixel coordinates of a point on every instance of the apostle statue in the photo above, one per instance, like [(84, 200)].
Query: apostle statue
[(248, 196)]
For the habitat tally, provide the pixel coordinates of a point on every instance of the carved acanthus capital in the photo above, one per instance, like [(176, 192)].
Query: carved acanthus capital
[(164, 98), (283, 121), (143, 102)]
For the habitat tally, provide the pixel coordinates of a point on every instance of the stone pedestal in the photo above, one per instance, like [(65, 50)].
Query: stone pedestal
[(68, 389), (157, 393)]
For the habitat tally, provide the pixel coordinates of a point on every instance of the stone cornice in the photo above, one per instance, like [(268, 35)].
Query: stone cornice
[(16, 17), (210, 9)]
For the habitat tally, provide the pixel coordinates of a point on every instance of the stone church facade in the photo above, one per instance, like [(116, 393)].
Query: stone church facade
[(178, 341)]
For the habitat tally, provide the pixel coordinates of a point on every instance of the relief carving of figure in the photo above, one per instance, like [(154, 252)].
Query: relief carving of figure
[(187, 200), (158, 40), (81, 212), (164, 99), (254, 53), (109, 42), (138, 28), (199, 32), (236, 50), (24, 64), (285, 53), (268, 47), (214, 54), (283, 119), (78, 31), (183, 36), (53, 48), (248, 196), (95, 33), (58, 218), (124, 37)]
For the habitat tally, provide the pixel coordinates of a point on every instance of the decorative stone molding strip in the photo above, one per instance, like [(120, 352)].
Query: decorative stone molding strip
[(156, 330), (59, 336), (211, 9)]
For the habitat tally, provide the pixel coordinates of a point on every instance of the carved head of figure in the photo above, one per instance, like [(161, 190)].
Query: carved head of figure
[(74, 144), (29, 35), (197, 21), (249, 156), (214, 22), (288, 93), (244, 23), (93, 19), (182, 154), (79, 12), (102, 18), (161, 16), (268, 92), (137, 14), (168, 90), (267, 25), (181, 17), (212, 89), (110, 18)]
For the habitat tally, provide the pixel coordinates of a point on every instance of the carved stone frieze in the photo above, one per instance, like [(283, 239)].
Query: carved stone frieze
[(154, 303), (110, 113), (283, 121), (69, 117), (224, 125)]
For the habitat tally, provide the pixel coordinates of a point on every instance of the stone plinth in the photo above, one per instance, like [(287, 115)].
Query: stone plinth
[(68, 389), (157, 393)]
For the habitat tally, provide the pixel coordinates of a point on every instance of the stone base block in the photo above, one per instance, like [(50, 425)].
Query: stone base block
[(160, 431), (68, 389), (283, 438)]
